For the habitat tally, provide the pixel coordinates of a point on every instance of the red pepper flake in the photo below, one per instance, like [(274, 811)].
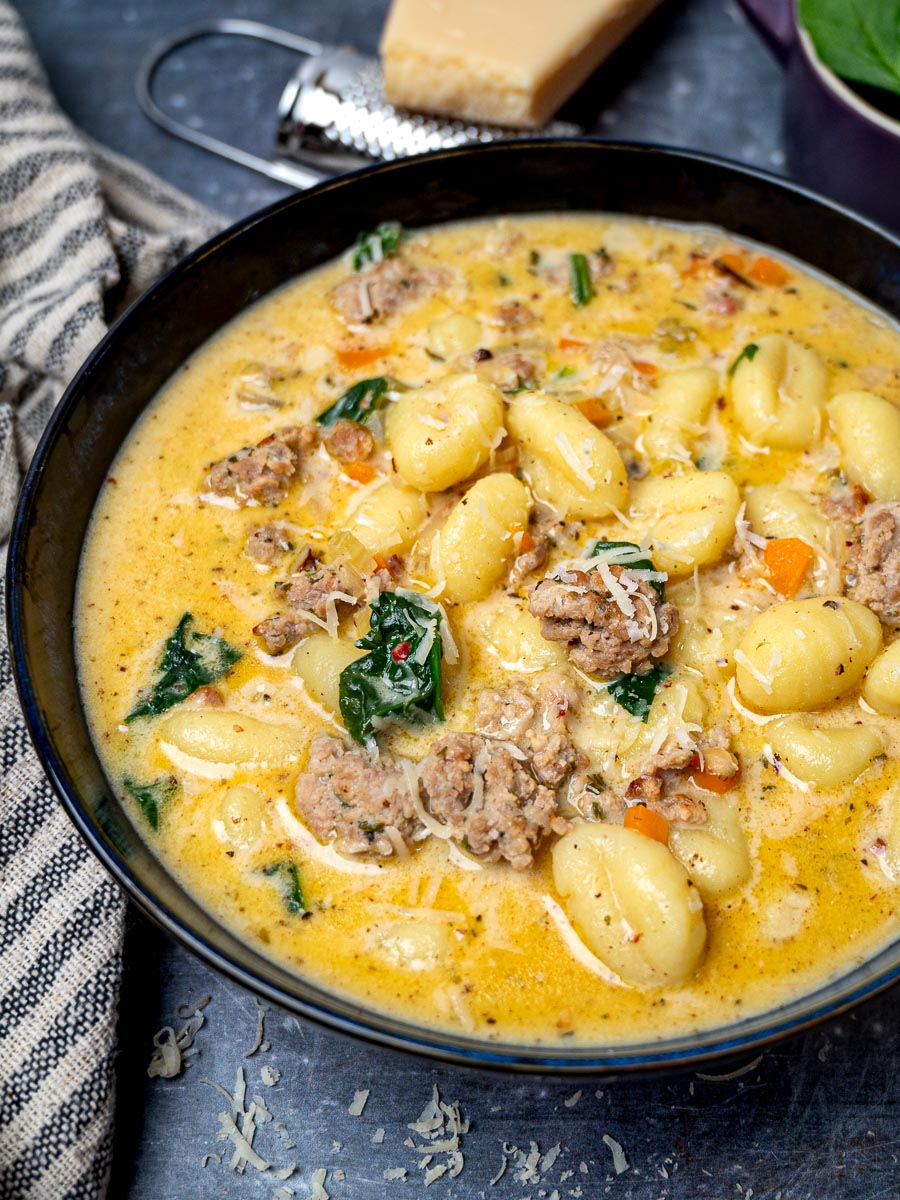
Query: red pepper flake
[(400, 652)]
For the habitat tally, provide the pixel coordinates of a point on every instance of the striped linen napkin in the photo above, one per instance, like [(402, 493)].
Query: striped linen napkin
[(82, 233)]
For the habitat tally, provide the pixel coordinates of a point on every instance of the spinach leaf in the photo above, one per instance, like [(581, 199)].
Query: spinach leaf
[(635, 692), (401, 675), (357, 403), (286, 876), (857, 39), (642, 564), (749, 352), (378, 243), (184, 668), (580, 280), (152, 797)]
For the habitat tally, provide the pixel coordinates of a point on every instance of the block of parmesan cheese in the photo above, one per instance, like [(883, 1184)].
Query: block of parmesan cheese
[(508, 62)]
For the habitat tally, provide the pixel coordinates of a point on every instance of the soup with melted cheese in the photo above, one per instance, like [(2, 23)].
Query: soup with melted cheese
[(498, 626)]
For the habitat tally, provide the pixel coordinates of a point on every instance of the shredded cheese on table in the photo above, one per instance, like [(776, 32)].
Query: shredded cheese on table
[(620, 1162)]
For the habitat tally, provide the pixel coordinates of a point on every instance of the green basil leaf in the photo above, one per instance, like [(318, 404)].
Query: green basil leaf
[(184, 668), (749, 352), (358, 402), (381, 242), (580, 285), (857, 39), (286, 875), (635, 692), (152, 797), (387, 682)]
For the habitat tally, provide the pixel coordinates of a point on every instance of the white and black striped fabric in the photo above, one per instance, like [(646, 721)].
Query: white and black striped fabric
[(82, 233)]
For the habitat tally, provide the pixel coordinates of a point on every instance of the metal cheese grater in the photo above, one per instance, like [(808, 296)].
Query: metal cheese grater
[(332, 116)]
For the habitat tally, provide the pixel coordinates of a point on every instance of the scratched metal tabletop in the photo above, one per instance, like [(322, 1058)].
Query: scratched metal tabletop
[(819, 1116)]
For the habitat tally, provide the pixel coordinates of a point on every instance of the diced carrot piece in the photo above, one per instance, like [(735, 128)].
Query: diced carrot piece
[(645, 368), (380, 562), (647, 822), (713, 783), (568, 343), (526, 542), (359, 472), (595, 411), (696, 264), (769, 272), (735, 262), (787, 561), (352, 357)]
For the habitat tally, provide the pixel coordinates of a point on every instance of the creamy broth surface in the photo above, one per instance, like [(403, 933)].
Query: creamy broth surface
[(798, 877)]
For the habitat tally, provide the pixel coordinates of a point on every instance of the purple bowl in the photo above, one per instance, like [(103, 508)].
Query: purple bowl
[(837, 143)]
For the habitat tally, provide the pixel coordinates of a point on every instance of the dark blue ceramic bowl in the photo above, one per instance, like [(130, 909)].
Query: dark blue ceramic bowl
[(837, 142), (192, 302)]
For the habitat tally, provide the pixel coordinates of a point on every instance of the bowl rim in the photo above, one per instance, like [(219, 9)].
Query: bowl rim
[(367, 1023)]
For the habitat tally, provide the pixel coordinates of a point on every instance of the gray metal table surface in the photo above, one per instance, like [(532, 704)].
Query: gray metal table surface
[(817, 1116)]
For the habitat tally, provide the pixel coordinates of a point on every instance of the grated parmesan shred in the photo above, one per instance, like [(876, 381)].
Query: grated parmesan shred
[(781, 770), (736, 1074), (440, 1127), (260, 1030), (747, 713), (318, 1185), (460, 859), (170, 1049), (764, 681), (433, 422), (574, 462), (617, 590), (244, 1151), (358, 1103), (366, 311), (433, 826), (576, 946), (620, 1162)]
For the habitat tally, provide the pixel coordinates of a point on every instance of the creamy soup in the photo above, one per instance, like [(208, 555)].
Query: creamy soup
[(497, 627)]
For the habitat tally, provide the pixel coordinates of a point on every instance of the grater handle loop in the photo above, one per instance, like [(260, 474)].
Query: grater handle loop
[(284, 172)]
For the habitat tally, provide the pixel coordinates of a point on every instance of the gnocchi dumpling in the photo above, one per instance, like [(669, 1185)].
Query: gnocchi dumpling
[(218, 736), (506, 630), (241, 815), (453, 335), (632, 903), (777, 512), (802, 654), (881, 687), (387, 520), (477, 542), (829, 757), (570, 463), (778, 390), (690, 518), (318, 661), (715, 855), (683, 403), (867, 428), (443, 433), (421, 945)]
